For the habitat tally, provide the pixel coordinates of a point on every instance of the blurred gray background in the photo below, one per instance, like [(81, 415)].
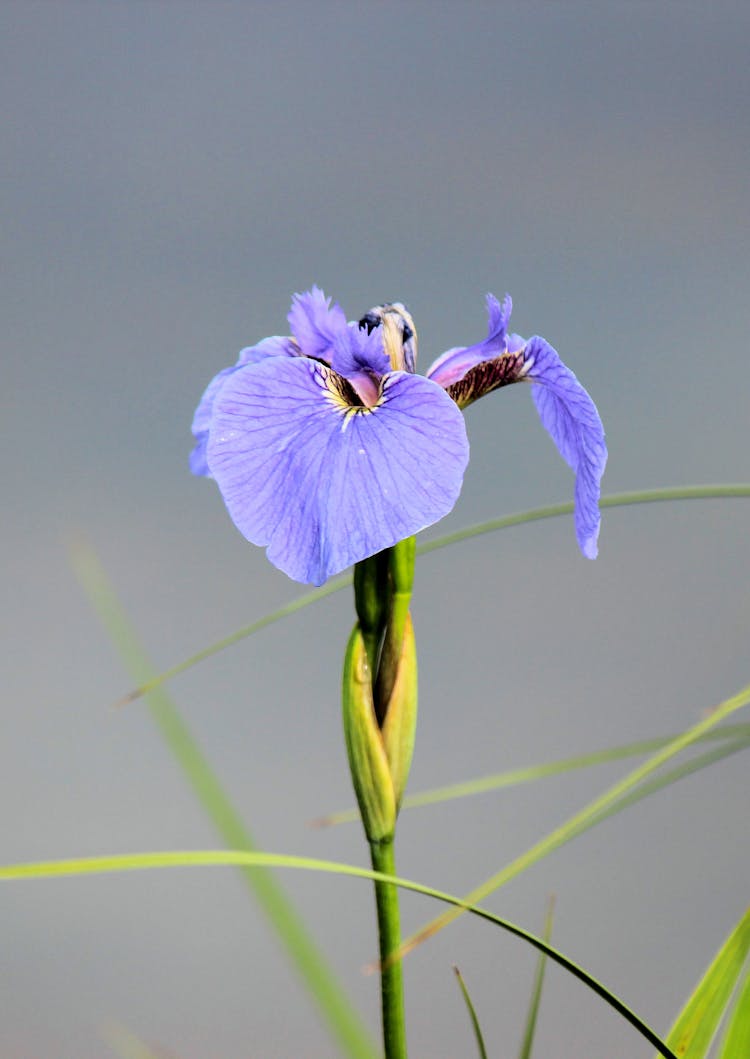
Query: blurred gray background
[(170, 174)]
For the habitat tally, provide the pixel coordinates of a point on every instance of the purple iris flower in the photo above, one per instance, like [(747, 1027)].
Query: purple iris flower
[(327, 448)]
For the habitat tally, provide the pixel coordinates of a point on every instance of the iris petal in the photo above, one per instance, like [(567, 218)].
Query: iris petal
[(202, 423), (275, 346), (570, 416), (323, 482), (452, 365), (356, 350), (315, 323)]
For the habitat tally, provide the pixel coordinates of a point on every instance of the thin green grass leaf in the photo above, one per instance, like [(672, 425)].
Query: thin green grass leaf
[(84, 866), (643, 496), (581, 820), (343, 1021), (737, 1037), (334, 585), (536, 993), (666, 779), (698, 1022), (126, 1044), (647, 496), (472, 1014), (513, 777)]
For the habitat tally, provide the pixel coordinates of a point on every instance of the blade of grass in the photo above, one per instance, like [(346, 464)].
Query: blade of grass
[(737, 1037), (343, 1021), (513, 777), (536, 992), (125, 1043), (666, 779), (581, 820), (646, 496), (697, 1023), (472, 1014), (255, 859), (641, 496)]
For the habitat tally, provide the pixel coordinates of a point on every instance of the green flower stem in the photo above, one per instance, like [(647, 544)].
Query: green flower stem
[(379, 731), (389, 931), (371, 600)]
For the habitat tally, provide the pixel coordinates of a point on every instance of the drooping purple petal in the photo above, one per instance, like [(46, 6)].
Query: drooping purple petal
[(202, 422), (571, 418), (452, 365), (323, 482), (315, 323), (275, 346)]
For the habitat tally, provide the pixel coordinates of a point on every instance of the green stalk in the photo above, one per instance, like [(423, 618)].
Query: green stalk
[(389, 932), (379, 708), (371, 593)]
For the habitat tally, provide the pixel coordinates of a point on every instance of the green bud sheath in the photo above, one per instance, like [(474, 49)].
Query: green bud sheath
[(368, 763), (372, 601), (401, 714), (401, 569)]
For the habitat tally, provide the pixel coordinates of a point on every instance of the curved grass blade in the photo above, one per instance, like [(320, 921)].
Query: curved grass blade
[(737, 1037), (666, 779), (646, 496), (582, 820), (125, 1043), (334, 585), (472, 1014), (536, 992), (697, 1023), (642, 496), (514, 777), (255, 859), (342, 1019)]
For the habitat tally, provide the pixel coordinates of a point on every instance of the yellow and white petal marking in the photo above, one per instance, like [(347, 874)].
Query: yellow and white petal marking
[(341, 394)]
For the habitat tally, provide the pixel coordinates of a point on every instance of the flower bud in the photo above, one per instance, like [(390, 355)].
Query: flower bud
[(401, 568), (368, 762), (401, 714)]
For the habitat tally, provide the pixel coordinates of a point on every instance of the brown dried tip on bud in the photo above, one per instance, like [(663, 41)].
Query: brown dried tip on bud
[(399, 333)]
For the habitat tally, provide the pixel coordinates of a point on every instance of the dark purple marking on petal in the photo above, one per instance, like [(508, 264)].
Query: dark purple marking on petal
[(487, 376)]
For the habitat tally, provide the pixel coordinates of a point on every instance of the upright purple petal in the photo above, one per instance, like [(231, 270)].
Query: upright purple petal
[(452, 365), (356, 350), (570, 416), (323, 481), (276, 346), (315, 323)]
